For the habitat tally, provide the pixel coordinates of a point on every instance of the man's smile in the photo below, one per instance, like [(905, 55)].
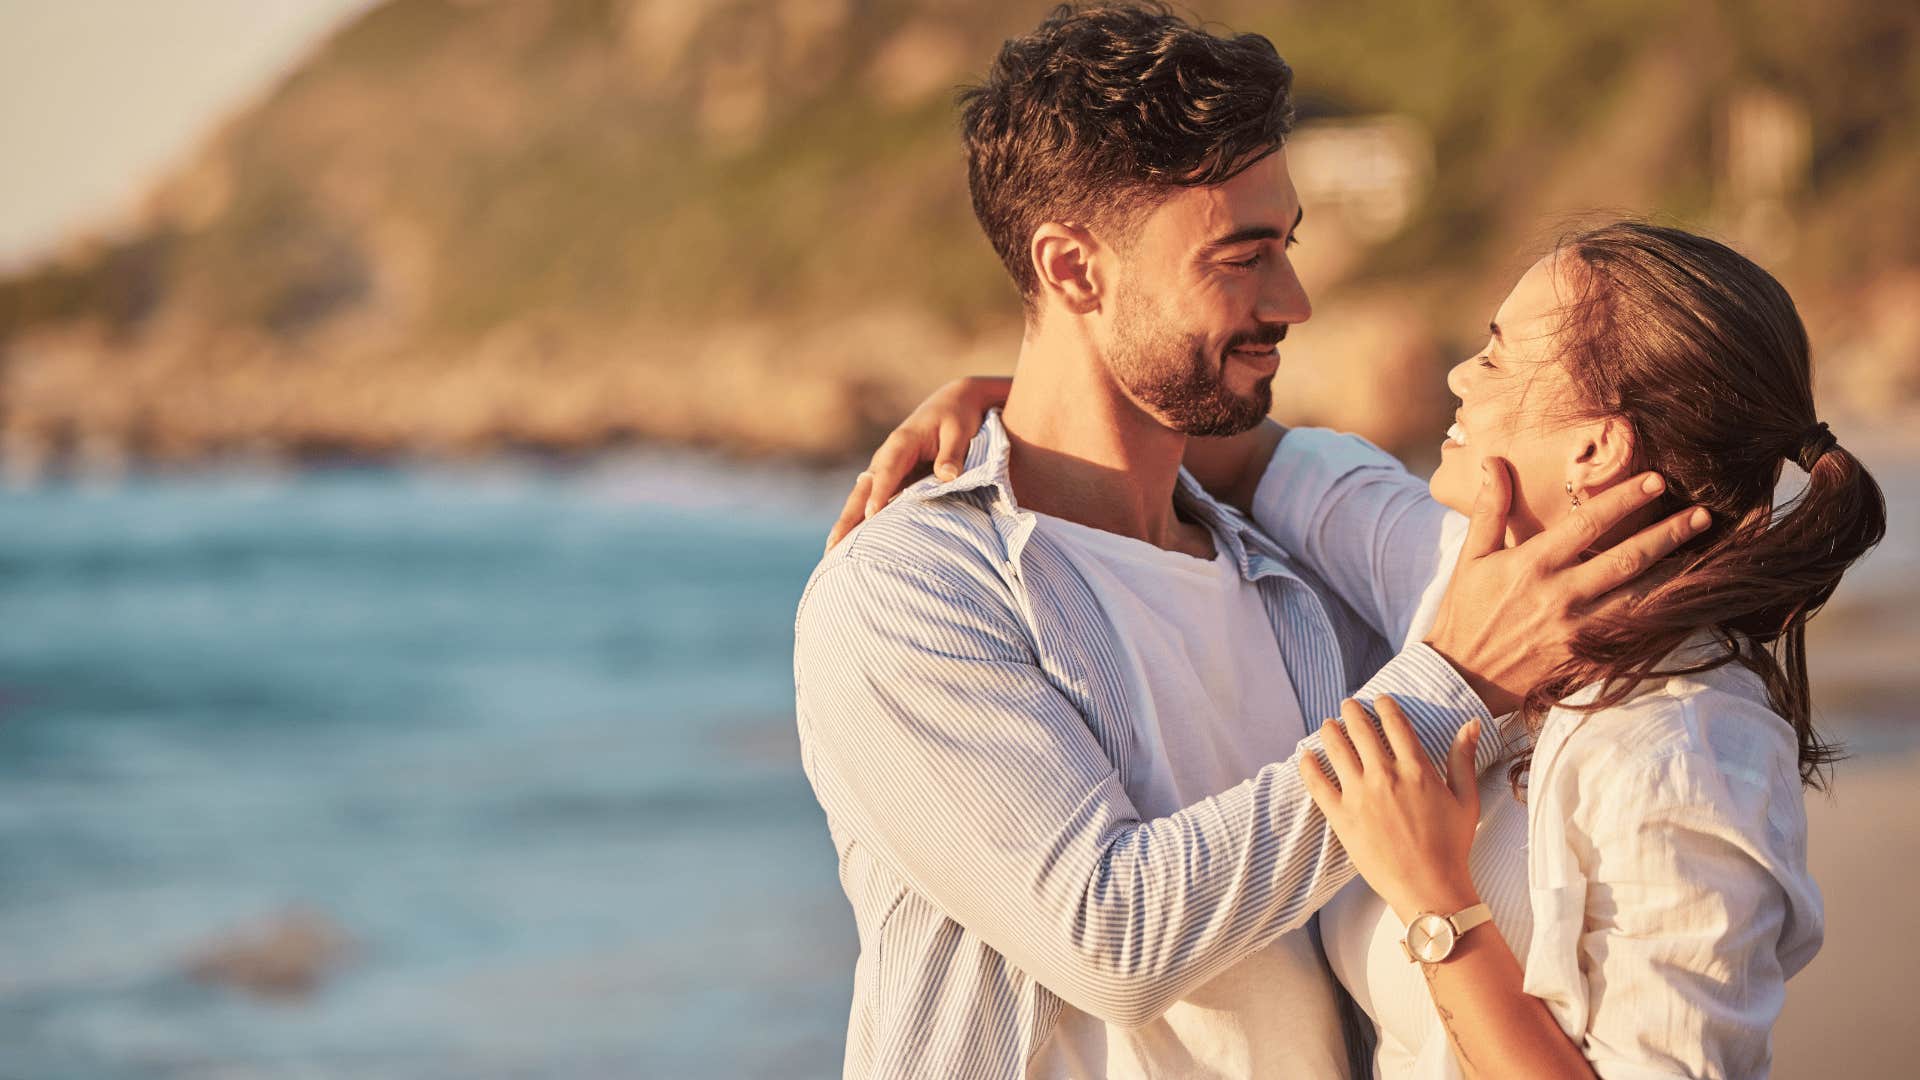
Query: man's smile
[(1263, 358)]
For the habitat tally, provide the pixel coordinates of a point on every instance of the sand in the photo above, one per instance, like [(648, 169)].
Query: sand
[(1850, 1013)]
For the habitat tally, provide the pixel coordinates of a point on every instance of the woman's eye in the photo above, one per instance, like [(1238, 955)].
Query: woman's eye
[(1485, 363)]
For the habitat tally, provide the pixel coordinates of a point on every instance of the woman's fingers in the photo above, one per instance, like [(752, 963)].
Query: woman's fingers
[(952, 456), (1339, 751), (1319, 787), (900, 460), (853, 512), (1399, 733), (896, 458), (1366, 740), (1460, 775)]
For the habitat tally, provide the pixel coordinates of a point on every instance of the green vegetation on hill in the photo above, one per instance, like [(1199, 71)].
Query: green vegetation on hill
[(627, 181)]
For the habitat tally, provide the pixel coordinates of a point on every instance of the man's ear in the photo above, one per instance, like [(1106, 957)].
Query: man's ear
[(1067, 260), (1604, 455)]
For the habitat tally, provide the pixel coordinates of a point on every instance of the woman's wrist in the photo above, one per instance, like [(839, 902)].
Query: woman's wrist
[(1443, 898), (1231, 467), (1264, 444), (984, 392)]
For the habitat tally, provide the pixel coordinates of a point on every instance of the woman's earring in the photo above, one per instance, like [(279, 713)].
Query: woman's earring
[(1571, 495)]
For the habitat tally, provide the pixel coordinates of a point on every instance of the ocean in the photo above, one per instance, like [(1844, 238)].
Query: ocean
[(521, 739), (514, 744)]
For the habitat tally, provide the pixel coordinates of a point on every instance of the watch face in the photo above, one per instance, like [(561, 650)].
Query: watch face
[(1430, 937)]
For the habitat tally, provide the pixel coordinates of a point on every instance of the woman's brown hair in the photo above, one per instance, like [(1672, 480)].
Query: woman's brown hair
[(1703, 355)]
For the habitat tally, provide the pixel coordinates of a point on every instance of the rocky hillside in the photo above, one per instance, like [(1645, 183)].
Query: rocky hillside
[(561, 224)]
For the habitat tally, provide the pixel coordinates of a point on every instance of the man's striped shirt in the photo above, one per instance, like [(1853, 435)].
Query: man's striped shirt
[(964, 724)]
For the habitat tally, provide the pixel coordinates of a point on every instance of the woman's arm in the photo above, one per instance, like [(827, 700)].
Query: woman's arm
[(1699, 901), (1230, 467), (1497, 1028), (1356, 517), (1409, 833), (936, 433), (939, 430)]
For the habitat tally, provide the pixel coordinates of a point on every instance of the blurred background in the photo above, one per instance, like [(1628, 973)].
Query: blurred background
[(418, 419)]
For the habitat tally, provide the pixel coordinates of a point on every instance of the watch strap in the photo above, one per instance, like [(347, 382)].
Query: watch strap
[(1466, 920)]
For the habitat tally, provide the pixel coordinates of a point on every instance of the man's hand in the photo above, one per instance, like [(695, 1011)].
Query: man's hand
[(1510, 614)]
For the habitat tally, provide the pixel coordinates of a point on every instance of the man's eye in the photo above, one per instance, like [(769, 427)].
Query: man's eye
[(1247, 263), (1486, 362), (1293, 239)]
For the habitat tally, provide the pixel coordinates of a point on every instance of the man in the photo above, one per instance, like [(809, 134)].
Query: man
[(1054, 733)]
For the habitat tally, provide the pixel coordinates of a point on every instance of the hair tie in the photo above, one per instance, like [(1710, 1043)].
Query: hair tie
[(1813, 446)]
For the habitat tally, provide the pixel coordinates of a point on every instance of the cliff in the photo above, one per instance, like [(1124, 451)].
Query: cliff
[(562, 224)]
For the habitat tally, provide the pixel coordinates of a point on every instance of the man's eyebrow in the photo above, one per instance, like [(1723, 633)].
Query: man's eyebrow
[(1254, 232)]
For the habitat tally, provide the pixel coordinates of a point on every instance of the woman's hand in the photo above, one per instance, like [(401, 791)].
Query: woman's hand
[(1409, 833), (936, 433), (1407, 830)]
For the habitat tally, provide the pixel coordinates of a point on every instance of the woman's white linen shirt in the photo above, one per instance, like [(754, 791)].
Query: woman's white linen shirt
[(1666, 850)]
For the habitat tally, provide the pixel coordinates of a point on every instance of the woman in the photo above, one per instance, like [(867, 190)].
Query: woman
[(1630, 896)]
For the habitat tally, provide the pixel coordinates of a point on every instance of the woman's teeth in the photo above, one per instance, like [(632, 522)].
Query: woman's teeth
[(1456, 436)]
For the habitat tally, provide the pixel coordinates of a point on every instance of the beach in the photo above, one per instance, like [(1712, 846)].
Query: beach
[(1849, 1014)]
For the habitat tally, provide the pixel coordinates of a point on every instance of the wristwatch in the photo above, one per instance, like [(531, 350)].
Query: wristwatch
[(1432, 936)]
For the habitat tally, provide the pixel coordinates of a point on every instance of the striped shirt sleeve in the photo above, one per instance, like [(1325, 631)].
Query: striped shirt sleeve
[(936, 739)]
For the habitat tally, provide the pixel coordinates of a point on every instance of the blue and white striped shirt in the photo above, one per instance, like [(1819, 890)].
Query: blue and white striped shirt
[(964, 723)]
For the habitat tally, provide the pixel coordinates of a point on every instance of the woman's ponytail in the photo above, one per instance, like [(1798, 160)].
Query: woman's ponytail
[(1704, 355)]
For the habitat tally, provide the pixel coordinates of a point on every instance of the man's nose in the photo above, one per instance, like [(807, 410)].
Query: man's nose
[(1284, 299), (1457, 379)]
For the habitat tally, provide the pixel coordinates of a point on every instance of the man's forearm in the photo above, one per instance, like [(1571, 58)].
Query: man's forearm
[(1438, 701), (970, 774)]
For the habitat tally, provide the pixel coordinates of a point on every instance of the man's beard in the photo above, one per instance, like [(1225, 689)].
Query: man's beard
[(1172, 374)]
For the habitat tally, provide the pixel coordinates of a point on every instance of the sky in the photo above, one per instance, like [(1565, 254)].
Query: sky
[(98, 97)]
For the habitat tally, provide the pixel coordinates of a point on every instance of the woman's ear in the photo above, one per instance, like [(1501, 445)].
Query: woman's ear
[(1604, 456), (1067, 260)]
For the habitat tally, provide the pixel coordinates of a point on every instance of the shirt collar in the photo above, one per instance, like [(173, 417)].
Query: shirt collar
[(987, 471)]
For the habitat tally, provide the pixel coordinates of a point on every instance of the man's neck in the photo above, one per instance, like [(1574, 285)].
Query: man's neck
[(1082, 450)]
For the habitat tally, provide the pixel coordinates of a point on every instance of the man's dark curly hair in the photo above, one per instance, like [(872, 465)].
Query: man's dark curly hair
[(1102, 110)]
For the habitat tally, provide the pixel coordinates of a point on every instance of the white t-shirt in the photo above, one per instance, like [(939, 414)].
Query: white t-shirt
[(1214, 705)]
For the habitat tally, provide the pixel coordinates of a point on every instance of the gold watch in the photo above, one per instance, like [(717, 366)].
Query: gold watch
[(1431, 936)]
